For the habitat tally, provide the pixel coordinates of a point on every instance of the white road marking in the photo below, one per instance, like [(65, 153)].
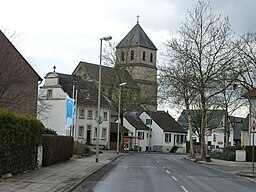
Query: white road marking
[(168, 171), (175, 178), (184, 189)]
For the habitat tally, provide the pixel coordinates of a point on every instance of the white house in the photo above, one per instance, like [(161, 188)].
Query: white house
[(139, 133), (52, 101), (157, 131), (52, 97), (251, 126), (215, 134)]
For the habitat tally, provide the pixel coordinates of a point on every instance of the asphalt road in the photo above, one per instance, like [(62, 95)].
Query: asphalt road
[(142, 172)]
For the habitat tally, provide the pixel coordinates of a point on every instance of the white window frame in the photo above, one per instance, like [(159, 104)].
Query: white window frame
[(104, 133), (80, 131)]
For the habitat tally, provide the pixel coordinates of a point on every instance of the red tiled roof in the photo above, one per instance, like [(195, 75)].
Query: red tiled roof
[(166, 122), (251, 93)]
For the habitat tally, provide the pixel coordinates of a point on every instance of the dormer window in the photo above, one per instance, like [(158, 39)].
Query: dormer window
[(122, 56), (151, 57), (144, 56), (132, 55)]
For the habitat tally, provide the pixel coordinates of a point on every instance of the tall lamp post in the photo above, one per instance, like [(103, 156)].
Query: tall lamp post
[(99, 119), (119, 110)]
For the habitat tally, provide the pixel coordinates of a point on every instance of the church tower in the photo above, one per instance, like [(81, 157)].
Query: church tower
[(137, 54)]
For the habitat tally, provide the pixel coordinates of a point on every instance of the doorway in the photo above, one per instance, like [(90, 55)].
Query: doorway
[(88, 137)]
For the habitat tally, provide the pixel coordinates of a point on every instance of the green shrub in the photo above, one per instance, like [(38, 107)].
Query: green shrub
[(83, 150), (48, 131), (19, 138), (248, 150), (228, 155)]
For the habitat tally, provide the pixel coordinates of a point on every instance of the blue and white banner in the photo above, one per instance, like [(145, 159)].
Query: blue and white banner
[(70, 107)]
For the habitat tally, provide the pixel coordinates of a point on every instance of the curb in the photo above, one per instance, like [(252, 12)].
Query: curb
[(75, 185), (251, 175)]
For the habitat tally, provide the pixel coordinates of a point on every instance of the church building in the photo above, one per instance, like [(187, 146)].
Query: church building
[(137, 53), (135, 65)]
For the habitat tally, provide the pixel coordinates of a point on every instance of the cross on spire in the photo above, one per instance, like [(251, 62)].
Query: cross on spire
[(54, 68), (138, 18)]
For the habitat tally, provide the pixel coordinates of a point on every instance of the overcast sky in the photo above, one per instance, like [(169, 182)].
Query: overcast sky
[(63, 32)]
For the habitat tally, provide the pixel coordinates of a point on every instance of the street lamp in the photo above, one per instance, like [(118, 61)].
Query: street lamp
[(99, 119), (119, 109)]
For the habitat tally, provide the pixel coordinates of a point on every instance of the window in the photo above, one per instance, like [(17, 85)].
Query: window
[(95, 132), (89, 115), (168, 137), (104, 133), (141, 135), (122, 56), (144, 55), (178, 138), (182, 139), (81, 114), (81, 131), (132, 55), (49, 94), (151, 57), (105, 116), (96, 114), (148, 121)]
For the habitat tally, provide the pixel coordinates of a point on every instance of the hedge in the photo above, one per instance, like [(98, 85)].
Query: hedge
[(19, 138), (57, 149), (248, 150)]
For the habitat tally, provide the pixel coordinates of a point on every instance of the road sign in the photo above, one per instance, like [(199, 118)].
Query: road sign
[(253, 126), (99, 119)]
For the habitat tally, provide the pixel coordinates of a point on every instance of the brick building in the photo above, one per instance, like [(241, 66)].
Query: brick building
[(18, 80)]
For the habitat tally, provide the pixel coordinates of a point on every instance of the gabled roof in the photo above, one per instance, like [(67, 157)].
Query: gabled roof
[(14, 51), (166, 122), (136, 123), (67, 81), (136, 37), (249, 94), (114, 127), (108, 75), (87, 91), (213, 118)]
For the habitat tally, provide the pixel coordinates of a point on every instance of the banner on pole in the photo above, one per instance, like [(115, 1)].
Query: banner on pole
[(70, 103)]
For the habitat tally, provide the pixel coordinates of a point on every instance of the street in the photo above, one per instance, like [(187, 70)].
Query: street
[(164, 172)]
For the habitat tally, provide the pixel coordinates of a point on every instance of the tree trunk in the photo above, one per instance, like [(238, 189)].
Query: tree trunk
[(192, 153), (203, 124)]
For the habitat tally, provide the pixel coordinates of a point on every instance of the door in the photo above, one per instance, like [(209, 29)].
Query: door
[(88, 137)]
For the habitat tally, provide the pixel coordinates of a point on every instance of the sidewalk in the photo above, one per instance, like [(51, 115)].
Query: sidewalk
[(239, 168), (61, 177)]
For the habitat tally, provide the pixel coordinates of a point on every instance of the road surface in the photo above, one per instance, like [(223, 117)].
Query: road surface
[(142, 172)]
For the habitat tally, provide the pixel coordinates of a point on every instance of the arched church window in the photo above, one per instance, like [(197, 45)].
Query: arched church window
[(151, 57), (144, 56), (122, 56), (132, 55)]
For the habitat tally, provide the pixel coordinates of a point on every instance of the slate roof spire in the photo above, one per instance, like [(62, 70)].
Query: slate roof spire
[(136, 37)]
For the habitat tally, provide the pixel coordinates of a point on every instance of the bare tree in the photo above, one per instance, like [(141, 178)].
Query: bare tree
[(43, 106), (175, 82), (205, 41), (246, 47)]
